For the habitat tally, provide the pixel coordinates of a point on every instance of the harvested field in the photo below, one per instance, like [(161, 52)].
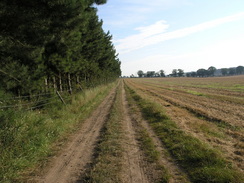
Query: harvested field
[(209, 109)]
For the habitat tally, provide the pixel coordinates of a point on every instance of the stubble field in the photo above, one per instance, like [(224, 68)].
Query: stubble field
[(208, 109)]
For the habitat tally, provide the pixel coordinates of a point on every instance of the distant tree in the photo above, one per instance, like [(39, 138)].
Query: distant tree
[(157, 74), (162, 73), (188, 74), (180, 72), (193, 74), (174, 73), (202, 72), (211, 71), (224, 71), (232, 71), (150, 73), (240, 70), (140, 73)]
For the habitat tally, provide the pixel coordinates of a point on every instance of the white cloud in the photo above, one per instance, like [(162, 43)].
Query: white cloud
[(155, 33)]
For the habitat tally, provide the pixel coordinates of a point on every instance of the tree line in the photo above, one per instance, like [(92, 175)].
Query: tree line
[(54, 45), (210, 72)]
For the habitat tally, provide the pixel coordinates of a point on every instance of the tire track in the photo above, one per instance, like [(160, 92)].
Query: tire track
[(72, 162), (176, 172), (134, 167)]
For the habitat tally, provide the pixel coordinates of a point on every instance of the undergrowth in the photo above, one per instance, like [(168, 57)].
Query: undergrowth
[(200, 161), (26, 137)]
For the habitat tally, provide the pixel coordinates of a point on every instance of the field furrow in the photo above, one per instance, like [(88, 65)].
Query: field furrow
[(210, 108), (200, 128)]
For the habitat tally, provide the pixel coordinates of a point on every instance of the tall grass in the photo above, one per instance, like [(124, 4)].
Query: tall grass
[(200, 161), (26, 137)]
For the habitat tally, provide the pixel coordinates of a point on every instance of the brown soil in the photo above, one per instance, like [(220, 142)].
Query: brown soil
[(72, 162), (134, 167)]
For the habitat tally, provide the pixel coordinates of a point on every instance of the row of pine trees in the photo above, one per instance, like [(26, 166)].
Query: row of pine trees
[(54, 45)]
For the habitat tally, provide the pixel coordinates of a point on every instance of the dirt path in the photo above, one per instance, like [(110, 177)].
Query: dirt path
[(176, 173), (134, 171), (72, 162)]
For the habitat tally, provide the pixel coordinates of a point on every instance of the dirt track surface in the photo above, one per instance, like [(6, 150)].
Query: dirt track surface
[(76, 158), (72, 162), (135, 121), (135, 170)]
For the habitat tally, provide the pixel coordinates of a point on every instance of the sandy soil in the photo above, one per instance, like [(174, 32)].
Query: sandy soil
[(74, 158), (176, 173), (134, 165)]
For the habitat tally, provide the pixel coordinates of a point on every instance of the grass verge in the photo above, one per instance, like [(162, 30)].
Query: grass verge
[(200, 161), (27, 137), (107, 164)]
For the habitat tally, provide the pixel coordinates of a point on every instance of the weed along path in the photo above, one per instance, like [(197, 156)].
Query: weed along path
[(72, 162)]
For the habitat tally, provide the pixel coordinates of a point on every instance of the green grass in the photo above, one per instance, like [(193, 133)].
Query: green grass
[(195, 93), (200, 161), (26, 137), (108, 162), (152, 155)]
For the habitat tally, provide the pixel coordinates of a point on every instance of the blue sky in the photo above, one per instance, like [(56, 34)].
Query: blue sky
[(175, 34)]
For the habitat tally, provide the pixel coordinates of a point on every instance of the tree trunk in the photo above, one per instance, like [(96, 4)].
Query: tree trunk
[(46, 85), (60, 83), (69, 84), (78, 82), (54, 84)]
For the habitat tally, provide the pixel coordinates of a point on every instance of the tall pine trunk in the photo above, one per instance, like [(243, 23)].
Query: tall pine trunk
[(46, 85), (60, 82), (69, 84), (54, 84)]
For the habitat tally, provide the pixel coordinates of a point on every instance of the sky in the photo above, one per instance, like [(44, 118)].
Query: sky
[(175, 34)]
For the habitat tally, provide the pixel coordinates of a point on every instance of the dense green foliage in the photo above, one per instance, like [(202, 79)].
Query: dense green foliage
[(58, 44)]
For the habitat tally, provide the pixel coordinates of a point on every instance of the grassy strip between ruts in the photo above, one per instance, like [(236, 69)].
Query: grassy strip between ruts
[(201, 162), (147, 145), (152, 155), (26, 137), (107, 164)]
